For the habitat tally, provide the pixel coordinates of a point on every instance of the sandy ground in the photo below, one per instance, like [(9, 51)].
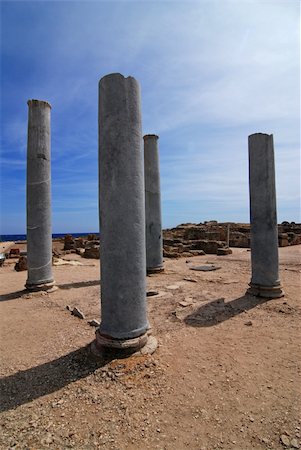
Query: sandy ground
[(226, 374)]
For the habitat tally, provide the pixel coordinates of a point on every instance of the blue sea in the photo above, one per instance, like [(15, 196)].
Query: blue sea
[(22, 237)]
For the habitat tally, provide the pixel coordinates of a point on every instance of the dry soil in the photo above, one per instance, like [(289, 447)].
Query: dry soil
[(226, 374)]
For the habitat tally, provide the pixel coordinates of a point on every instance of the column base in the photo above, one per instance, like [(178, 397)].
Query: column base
[(48, 286), (104, 345), (265, 291), (150, 270)]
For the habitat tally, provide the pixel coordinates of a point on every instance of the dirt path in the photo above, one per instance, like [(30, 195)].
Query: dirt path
[(226, 374)]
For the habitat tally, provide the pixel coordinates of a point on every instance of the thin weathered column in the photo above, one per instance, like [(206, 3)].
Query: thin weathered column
[(124, 321), (39, 236), (228, 235), (153, 222), (263, 218)]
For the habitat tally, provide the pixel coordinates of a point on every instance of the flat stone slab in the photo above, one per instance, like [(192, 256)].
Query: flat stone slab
[(186, 303), (152, 293), (173, 287), (205, 268), (162, 294), (192, 280), (67, 262)]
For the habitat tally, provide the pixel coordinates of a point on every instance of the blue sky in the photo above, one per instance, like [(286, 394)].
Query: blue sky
[(211, 73)]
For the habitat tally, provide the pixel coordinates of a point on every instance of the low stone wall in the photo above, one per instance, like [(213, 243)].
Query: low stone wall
[(211, 236)]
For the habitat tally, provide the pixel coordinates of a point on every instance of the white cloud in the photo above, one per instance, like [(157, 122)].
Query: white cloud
[(211, 73)]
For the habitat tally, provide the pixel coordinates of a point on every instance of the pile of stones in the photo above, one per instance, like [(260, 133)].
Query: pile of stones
[(88, 247), (192, 240), (289, 234)]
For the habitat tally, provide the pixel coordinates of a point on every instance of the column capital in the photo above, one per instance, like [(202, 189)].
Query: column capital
[(34, 102), (150, 136)]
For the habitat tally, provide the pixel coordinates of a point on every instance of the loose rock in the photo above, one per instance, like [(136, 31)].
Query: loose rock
[(224, 251), (185, 303), (205, 268), (151, 293), (77, 313), (21, 264), (284, 439), (294, 443), (93, 323), (193, 280)]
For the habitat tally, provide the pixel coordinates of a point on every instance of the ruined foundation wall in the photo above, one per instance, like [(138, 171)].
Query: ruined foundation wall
[(209, 236)]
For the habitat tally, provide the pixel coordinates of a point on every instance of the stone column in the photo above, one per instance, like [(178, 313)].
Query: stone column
[(153, 223), (263, 218), (124, 323), (39, 236), (228, 235)]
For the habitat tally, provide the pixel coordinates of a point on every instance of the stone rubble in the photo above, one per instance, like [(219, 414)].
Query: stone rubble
[(211, 237)]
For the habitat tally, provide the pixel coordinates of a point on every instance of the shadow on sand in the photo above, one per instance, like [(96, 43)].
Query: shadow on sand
[(80, 284), (13, 295), (218, 311), (28, 385)]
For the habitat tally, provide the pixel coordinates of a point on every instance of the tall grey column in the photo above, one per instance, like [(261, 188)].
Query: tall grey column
[(263, 218), (124, 321), (39, 237), (153, 222)]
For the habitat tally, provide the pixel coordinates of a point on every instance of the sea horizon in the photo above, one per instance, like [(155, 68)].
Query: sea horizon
[(23, 237)]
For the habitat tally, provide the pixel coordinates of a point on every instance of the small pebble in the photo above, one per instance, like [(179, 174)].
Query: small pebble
[(184, 303), (49, 439), (284, 439), (93, 323), (294, 443), (192, 280)]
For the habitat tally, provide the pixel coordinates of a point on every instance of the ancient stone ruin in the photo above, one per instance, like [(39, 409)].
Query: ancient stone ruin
[(130, 216), (153, 220), (39, 232), (265, 280), (210, 237), (88, 247), (124, 323)]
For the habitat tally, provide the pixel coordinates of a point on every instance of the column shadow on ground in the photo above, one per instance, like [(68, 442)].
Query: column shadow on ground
[(30, 384), (79, 284), (13, 295), (218, 311)]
